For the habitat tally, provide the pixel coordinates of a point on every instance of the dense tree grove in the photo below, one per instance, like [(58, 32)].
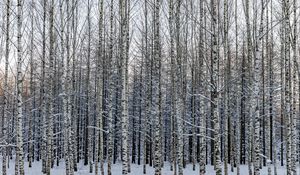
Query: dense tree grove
[(161, 84)]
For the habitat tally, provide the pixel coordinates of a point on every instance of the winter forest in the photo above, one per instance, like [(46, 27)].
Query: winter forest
[(157, 87)]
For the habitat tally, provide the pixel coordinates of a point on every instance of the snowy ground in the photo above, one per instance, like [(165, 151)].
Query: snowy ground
[(135, 170)]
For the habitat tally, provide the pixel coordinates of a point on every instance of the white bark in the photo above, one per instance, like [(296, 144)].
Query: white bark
[(124, 74), (19, 129), (5, 105), (215, 90), (110, 92), (287, 89), (99, 122), (156, 90), (50, 92)]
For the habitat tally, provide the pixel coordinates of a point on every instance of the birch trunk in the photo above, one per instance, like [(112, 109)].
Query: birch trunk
[(269, 120), (294, 115), (124, 75), (227, 93), (74, 128), (257, 62), (173, 161), (32, 91), (287, 66), (5, 104), (64, 90), (50, 90), (110, 95), (156, 89), (147, 103), (19, 129), (43, 95), (215, 90), (99, 122), (202, 129)]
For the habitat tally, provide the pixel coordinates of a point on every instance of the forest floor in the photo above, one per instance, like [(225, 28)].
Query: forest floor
[(135, 169)]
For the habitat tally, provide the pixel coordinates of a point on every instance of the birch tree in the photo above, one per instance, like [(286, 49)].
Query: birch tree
[(124, 74), (287, 93), (156, 89), (99, 121), (115, 84), (257, 62), (19, 153), (202, 162), (215, 89), (110, 95), (50, 90), (42, 92), (5, 105), (32, 91)]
